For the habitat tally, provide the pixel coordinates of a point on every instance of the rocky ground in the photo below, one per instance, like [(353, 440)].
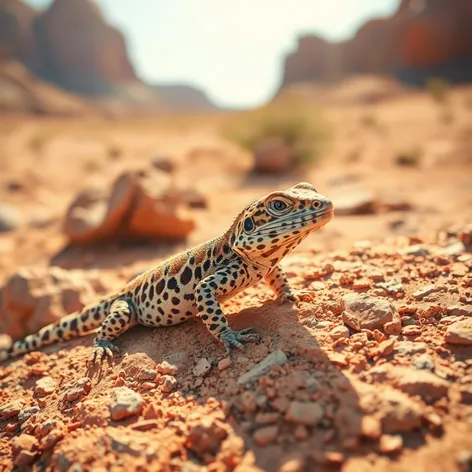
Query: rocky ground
[(370, 370)]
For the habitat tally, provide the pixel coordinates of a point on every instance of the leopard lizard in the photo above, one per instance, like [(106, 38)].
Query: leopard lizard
[(195, 282)]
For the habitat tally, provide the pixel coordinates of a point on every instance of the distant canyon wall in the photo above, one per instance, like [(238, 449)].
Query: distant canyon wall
[(423, 39), (71, 45)]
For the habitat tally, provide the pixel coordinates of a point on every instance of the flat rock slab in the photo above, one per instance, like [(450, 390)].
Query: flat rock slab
[(460, 332), (276, 357)]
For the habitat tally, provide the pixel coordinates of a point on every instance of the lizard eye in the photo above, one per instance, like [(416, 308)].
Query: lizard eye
[(248, 225), (316, 204), (279, 205)]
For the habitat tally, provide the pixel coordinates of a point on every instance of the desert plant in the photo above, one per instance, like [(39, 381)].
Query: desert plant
[(438, 89), (298, 126), (409, 157)]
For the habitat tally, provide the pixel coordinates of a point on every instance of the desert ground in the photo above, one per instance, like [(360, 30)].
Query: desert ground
[(341, 392)]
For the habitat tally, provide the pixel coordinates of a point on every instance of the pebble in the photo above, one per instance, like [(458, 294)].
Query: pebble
[(339, 332), (11, 409), (424, 362), (27, 413), (202, 368), (414, 250), (364, 312), (147, 374), (371, 427), (306, 413), (409, 347), (458, 310), (45, 386), (390, 443), (124, 402), (10, 218), (420, 382), (82, 387), (275, 358), (411, 330), (392, 287), (224, 363), (23, 449), (460, 332), (266, 435), (385, 348), (427, 290), (170, 383), (167, 368)]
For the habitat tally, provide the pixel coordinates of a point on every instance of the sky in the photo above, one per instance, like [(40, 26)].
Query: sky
[(231, 50)]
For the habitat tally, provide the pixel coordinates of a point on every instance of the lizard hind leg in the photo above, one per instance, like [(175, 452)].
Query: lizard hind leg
[(121, 317)]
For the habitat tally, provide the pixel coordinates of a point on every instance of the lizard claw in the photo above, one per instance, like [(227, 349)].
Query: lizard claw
[(232, 338), (101, 349), (287, 297)]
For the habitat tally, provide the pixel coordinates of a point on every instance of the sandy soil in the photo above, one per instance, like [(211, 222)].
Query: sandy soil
[(341, 399)]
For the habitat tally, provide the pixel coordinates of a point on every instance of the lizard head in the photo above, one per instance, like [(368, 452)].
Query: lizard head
[(275, 224)]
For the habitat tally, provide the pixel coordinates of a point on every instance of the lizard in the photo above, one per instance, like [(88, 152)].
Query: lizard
[(195, 282)]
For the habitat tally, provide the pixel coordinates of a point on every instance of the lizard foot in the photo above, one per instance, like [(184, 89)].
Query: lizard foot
[(288, 297), (232, 338), (101, 349)]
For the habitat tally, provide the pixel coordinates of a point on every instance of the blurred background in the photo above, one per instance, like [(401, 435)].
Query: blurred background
[(157, 122)]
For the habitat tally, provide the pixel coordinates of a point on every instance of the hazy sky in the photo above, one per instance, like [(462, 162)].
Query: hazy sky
[(232, 50)]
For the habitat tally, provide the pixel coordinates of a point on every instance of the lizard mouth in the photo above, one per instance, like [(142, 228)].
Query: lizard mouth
[(306, 220)]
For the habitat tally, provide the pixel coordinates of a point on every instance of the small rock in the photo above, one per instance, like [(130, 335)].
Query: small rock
[(10, 218), (420, 382), (427, 290), (224, 363), (24, 449), (389, 443), (414, 250), (409, 347), (27, 413), (11, 409), (453, 249), (80, 388), (460, 332), (371, 427), (45, 386), (206, 436), (364, 312), (170, 383), (249, 402), (266, 435), (424, 362), (411, 330), (276, 357), (307, 413), (458, 310), (163, 163), (339, 332), (355, 202), (392, 287), (147, 374), (167, 368), (385, 348), (124, 402), (272, 155), (202, 368)]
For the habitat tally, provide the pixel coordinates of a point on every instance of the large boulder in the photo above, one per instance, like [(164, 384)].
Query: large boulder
[(141, 204), (34, 297)]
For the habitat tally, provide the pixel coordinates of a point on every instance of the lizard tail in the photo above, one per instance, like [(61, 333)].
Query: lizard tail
[(70, 326)]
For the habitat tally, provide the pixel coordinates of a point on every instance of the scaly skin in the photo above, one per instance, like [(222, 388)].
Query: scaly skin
[(194, 282)]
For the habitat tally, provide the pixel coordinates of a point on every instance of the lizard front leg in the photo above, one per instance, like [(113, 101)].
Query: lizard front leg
[(121, 317), (277, 281), (207, 292)]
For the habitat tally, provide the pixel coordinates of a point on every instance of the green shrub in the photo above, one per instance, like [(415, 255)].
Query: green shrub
[(301, 127), (409, 157), (438, 89)]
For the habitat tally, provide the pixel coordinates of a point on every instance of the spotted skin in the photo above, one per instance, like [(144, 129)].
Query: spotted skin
[(195, 282)]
